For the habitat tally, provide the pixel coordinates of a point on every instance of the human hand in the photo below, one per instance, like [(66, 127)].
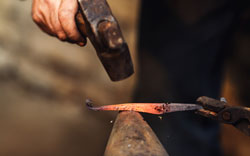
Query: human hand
[(57, 18)]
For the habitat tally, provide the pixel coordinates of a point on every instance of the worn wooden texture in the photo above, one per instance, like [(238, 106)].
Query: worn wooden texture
[(132, 136)]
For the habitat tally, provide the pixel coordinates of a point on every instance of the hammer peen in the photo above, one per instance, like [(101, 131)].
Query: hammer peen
[(96, 21)]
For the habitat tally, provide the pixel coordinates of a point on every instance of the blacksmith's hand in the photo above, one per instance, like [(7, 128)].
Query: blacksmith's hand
[(57, 18)]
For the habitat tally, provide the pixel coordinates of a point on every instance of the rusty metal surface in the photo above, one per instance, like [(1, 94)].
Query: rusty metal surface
[(132, 136), (237, 116), (218, 110), (211, 104), (103, 31)]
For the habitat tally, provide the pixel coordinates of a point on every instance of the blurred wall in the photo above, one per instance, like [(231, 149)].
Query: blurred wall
[(44, 83), (237, 84)]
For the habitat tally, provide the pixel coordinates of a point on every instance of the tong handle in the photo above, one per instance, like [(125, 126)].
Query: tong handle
[(218, 110), (81, 24), (237, 116)]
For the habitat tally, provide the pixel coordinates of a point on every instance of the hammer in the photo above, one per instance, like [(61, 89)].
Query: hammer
[(96, 21)]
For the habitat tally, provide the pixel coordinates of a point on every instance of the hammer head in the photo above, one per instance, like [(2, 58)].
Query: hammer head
[(105, 34)]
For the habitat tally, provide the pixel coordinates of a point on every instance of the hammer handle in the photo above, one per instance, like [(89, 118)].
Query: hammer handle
[(81, 24)]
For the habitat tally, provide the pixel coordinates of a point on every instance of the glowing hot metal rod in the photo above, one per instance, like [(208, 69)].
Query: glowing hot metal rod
[(152, 108)]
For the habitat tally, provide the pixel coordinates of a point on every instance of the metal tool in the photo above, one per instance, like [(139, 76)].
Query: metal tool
[(96, 20), (218, 110)]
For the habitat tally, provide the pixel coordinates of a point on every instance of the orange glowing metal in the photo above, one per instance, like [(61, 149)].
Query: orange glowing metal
[(152, 108)]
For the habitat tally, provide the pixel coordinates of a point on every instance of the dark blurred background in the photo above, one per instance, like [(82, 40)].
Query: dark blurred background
[(44, 83)]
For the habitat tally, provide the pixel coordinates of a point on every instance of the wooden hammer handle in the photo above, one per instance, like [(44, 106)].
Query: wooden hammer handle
[(81, 25)]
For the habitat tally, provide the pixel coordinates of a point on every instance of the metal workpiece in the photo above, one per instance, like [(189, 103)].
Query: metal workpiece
[(132, 136), (151, 108), (100, 26)]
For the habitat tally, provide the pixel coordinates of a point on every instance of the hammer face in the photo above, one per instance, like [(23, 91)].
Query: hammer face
[(118, 65), (105, 34), (114, 55)]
